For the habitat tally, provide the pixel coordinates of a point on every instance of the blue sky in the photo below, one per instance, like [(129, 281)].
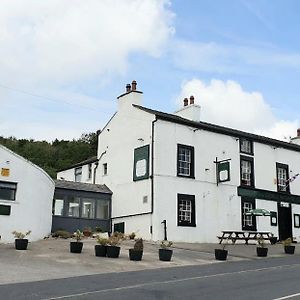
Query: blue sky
[(240, 58)]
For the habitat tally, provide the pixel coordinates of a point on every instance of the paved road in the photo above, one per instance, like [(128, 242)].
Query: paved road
[(271, 278)]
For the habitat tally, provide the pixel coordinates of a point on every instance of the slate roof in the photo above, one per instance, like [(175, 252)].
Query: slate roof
[(80, 186), (219, 129), (81, 163)]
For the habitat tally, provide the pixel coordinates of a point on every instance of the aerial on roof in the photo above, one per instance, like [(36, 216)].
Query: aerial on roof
[(219, 129), (80, 186)]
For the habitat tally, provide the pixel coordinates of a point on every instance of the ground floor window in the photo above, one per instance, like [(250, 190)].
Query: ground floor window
[(186, 210), (8, 190), (248, 221)]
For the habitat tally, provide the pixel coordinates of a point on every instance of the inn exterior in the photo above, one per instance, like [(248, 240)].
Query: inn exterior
[(194, 177)]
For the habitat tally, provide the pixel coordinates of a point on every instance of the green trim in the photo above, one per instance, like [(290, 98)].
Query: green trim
[(141, 154), (268, 195)]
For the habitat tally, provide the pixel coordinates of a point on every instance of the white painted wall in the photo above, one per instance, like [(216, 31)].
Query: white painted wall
[(32, 209)]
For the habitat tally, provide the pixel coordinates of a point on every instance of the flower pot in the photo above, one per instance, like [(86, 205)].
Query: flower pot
[(100, 250), (113, 251), (273, 240), (221, 254), (289, 249), (21, 244), (261, 251), (135, 255), (165, 254), (87, 233), (76, 247)]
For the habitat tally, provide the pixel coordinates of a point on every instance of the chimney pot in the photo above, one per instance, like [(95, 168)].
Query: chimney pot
[(298, 132), (185, 102), (128, 88), (133, 84), (192, 100)]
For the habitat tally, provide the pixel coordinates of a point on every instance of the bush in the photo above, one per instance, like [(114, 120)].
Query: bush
[(62, 234)]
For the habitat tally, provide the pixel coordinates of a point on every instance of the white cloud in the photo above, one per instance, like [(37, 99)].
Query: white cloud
[(226, 103)]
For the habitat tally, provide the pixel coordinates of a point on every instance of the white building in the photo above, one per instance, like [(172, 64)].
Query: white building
[(26, 195), (199, 177)]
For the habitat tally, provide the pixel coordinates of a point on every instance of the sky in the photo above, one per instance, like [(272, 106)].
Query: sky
[(63, 63)]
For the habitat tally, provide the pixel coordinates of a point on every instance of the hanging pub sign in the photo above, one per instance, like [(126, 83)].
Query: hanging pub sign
[(141, 163), (222, 170)]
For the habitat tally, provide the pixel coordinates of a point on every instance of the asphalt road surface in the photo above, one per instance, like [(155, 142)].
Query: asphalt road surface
[(272, 278)]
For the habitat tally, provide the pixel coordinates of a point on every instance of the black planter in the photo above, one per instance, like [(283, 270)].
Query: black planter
[(135, 255), (113, 251), (100, 250), (76, 247), (262, 252), (221, 254), (289, 249), (273, 240), (165, 254), (21, 244)]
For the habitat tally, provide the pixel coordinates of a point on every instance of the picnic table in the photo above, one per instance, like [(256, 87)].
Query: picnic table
[(235, 235)]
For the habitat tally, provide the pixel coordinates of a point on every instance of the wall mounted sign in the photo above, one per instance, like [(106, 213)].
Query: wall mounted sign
[(141, 163), (4, 172)]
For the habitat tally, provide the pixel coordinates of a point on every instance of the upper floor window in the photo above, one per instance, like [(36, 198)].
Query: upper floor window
[(246, 146), (89, 171), (105, 169), (8, 190), (185, 161), (247, 171), (78, 174), (282, 178)]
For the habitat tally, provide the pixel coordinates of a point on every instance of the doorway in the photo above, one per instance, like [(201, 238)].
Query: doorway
[(284, 220)]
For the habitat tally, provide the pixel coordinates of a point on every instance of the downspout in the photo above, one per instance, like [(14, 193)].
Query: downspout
[(152, 165)]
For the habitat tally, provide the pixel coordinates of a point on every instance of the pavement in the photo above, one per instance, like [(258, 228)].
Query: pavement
[(51, 259)]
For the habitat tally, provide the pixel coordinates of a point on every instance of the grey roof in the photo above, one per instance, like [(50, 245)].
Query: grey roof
[(81, 163), (80, 186), (219, 129)]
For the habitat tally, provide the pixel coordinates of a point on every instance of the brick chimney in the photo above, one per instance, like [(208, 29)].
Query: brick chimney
[(190, 111), (131, 96), (296, 139)]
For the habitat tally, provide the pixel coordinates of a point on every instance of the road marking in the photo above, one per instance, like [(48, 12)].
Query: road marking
[(174, 281), (288, 297)]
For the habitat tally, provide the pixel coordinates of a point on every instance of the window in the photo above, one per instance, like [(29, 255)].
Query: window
[(58, 207), (8, 190), (282, 178), (248, 221), (72, 207), (247, 172), (78, 173), (105, 169), (186, 210), (102, 209), (246, 146), (297, 220), (89, 171), (185, 161), (88, 208)]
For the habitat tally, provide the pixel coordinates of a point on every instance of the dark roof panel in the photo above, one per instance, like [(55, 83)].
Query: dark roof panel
[(219, 129), (80, 186), (81, 163)]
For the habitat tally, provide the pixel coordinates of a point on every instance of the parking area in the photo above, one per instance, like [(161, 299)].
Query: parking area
[(51, 259)]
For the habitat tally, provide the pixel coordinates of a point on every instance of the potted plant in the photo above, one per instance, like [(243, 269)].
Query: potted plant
[(288, 247), (76, 247), (273, 239), (20, 242), (132, 235), (100, 250), (261, 251), (112, 249), (136, 253), (165, 253), (87, 231), (221, 254)]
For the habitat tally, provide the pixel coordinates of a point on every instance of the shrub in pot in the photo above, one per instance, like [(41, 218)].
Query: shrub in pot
[(288, 247), (87, 231), (113, 250), (136, 253), (76, 247), (20, 242), (101, 249), (221, 253), (261, 251), (273, 239), (164, 252), (132, 235)]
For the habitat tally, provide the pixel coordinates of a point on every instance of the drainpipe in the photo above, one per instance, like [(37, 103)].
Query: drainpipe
[(152, 165)]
